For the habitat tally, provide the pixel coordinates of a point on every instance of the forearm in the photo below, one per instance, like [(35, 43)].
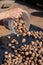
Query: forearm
[(4, 15)]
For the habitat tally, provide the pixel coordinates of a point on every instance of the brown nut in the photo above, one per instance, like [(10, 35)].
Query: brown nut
[(24, 34), (13, 47), (14, 41), (12, 55), (6, 52), (26, 53), (9, 44), (8, 37), (20, 24), (15, 24), (28, 33), (6, 56), (23, 40)]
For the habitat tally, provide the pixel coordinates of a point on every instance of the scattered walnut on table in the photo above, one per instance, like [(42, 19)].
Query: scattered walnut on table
[(23, 40)]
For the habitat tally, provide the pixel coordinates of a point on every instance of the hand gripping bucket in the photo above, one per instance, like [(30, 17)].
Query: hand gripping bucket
[(9, 22)]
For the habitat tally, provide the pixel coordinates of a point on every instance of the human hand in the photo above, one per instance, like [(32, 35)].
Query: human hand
[(15, 13)]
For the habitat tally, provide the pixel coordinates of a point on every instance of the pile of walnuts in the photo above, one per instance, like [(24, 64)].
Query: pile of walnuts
[(31, 54)]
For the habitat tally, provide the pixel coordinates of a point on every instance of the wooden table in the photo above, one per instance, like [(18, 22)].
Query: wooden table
[(36, 20)]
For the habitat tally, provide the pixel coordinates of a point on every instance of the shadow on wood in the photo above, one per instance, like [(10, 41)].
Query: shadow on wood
[(38, 14)]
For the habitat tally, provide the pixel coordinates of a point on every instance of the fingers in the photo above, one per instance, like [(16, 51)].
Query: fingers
[(16, 13), (18, 10)]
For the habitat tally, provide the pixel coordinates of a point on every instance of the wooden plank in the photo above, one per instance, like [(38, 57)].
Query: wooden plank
[(6, 3)]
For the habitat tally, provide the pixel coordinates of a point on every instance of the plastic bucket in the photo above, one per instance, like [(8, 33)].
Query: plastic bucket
[(9, 22)]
